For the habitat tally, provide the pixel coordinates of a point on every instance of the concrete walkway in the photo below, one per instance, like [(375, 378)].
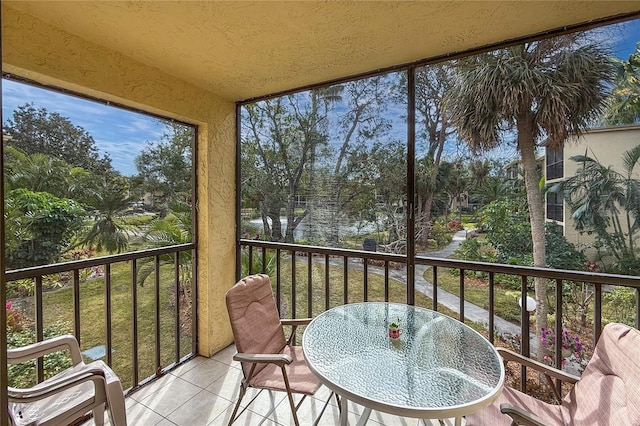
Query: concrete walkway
[(471, 312)]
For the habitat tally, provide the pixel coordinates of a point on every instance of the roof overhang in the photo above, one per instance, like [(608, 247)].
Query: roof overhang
[(242, 50)]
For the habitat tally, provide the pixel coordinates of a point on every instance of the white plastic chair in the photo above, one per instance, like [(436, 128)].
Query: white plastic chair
[(68, 395)]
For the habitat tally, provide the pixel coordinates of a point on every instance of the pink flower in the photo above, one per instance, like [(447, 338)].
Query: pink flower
[(8, 305)]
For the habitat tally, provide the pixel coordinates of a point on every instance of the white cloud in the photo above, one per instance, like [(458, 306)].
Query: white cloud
[(117, 132)]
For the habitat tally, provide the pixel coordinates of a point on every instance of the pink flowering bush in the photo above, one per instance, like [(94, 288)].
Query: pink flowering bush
[(571, 345), (16, 319)]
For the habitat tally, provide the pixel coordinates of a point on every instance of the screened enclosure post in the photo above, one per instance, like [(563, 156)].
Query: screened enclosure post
[(461, 283), (345, 273), (134, 323), (327, 288), (411, 193), (294, 296), (157, 313), (238, 177), (386, 280), (524, 350), (597, 312), (176, 312), (558, 354), (39, 324), (491, 307), (435, 288), (107, 311), (365, 289), (278, 288), (637, 308), (309, 286), (76, 305), (193, 288)]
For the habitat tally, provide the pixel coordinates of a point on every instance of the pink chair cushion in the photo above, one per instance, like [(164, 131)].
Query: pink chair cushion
[(608, 393), (254, 318), (492, 416), (301, 379)]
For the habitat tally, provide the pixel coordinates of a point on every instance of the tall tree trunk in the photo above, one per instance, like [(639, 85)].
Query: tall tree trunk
[(527, 148), (426, 219)]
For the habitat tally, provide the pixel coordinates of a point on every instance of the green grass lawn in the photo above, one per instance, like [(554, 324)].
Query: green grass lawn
[(376, 292), (58, 306), (476, 291)]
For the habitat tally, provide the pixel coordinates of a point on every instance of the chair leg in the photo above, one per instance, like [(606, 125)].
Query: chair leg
[(243, 390), (98, 415), (294, 409), (115, 404)]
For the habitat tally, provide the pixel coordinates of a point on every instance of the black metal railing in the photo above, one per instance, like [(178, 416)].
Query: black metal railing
[(336, 264), (165, 266)]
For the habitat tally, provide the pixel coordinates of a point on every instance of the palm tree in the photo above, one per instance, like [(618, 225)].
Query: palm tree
[(109, 231), (623, 105), (43, 173), (173, 229), (545, 90), (602, 199)]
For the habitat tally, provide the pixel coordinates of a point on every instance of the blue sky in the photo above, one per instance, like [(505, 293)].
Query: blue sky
[(122, 134)]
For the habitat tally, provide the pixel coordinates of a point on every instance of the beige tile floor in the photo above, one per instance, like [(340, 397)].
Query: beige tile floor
[(202, 392)]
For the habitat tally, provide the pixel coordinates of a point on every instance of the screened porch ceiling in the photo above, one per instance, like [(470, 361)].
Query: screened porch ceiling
[(241, 50)]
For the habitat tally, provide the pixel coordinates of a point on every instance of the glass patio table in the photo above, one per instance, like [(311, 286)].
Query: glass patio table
[(438, 368)]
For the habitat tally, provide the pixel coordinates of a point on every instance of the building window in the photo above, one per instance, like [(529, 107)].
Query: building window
[(555, 208), (555, 163)]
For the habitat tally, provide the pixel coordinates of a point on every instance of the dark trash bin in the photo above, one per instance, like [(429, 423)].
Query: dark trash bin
[(369, 244)]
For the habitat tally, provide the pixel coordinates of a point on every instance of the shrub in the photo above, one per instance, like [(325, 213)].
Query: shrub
[(476, 250), (23, 375), (561, 254), (455, 225), (441, 234)]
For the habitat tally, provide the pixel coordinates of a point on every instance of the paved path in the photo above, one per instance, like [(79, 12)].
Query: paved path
[(471, 312)]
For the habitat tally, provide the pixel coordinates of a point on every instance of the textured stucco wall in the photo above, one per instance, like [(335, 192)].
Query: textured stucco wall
[(33, 49), (243, 49)]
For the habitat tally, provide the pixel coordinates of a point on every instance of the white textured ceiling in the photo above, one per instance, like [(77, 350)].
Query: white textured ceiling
[(243, 49)]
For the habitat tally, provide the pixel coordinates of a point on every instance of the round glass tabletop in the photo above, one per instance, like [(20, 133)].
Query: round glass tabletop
[(438, 367)]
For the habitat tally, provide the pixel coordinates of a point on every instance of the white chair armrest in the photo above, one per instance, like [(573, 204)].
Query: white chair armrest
[(39, 349), (48, 388)]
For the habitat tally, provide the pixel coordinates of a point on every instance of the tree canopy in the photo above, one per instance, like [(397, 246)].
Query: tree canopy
[(165, 167), (36, 131), (623, 104)]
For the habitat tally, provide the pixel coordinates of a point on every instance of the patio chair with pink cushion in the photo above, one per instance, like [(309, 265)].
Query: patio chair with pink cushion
[(70, 394), (608, 393), (269, 361)]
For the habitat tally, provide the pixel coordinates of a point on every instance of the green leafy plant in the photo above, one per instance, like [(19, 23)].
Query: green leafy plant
[(395, 324), (23, 375), (39, 227)]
